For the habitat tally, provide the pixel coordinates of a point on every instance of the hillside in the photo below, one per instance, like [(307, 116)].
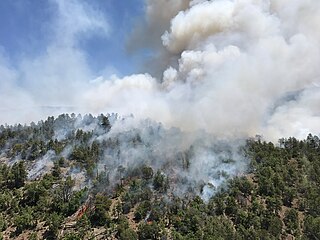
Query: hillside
[(107, 177)]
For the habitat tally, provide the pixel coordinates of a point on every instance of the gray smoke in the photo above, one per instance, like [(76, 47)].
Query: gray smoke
[(194, 162), (229, 64), (238, 61), (153, 25), (227, 67)]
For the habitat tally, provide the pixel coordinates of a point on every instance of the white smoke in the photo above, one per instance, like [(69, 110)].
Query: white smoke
[(194, 162), (41, 166), (244, 67), (237, 60), (233, 68)]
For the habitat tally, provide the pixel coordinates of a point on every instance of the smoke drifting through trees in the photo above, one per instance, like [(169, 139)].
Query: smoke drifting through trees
[(110, 148), (237, 61)]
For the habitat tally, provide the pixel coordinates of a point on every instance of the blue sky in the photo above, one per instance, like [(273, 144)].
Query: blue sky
[(27, 29), (52, 51)]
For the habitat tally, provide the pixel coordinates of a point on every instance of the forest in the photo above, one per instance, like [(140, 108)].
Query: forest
[(60, 179)]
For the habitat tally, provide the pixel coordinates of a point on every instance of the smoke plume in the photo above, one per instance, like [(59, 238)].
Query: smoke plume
[(237, 63), (231, 68), (243, 67)]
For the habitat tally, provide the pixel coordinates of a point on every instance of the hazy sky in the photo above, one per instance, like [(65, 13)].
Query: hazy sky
[(51, 51), (28, 27)]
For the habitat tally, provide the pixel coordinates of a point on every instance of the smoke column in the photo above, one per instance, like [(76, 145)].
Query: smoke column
[(234, 68), (230, 68), (244, 67)]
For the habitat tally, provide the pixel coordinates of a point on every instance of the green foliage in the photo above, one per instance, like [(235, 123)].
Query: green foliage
[(124, 232), (83, 226), (160, 182), (312, 227), (128, 234), (142, 210), (149, 231), (54, 222), (56, 171), (291, 221), (13, 177), (6, 198), (33, 192), (3, 224), (279, 196), (147, 172), (72, 236), (218, 228), (275, 226), (100, 217), (33, 236), (24, 220)]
